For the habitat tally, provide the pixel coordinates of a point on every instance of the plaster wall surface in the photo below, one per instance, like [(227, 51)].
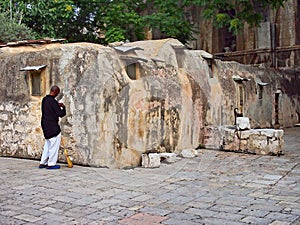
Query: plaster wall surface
[(112, 118)]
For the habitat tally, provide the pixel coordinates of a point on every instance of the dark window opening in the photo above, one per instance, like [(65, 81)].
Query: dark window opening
[(241, 100), (131, 70), (277, 108), (260, 92), (210, 66), (35, 83)]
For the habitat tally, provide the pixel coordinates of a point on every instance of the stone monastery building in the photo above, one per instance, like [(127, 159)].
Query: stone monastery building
[(140, 97)]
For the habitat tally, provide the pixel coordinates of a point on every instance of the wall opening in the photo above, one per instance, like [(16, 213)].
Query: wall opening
[(277, 108), (260, 91), (241, 100), (240, 92), (35, 77), (131, 71), (210, 68), (133, 66)]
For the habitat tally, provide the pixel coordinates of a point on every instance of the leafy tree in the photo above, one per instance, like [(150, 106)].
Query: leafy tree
[(235, 13), (169, 17), (123, 20), (83, 25), (10, 30), (47, 17), (104, 21)]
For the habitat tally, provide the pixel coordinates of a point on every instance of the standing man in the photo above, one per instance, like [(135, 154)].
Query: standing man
[(51, 111)]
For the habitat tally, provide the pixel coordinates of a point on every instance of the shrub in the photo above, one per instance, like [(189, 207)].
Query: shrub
[(10, 30)]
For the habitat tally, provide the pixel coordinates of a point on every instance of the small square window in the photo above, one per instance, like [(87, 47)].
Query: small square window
[(35, 83), (131, 70)]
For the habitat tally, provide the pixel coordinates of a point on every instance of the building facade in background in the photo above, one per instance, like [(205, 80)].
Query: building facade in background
[(276, 43)]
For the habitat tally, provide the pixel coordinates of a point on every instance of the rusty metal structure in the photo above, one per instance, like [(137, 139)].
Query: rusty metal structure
[(280, 57), (32, 42)]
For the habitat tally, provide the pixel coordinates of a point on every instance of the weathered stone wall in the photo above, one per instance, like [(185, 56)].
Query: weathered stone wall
[(260, 111), (275, 42), (286, 23), (20, 132), (111, 119), (255, 141), (175, 98)]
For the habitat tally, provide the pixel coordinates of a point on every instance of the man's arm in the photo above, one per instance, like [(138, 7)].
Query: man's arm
[(60, 109)]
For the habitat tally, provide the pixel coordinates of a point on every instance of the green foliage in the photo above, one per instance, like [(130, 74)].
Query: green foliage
[(115, 34), (235, 13), (48, 17), (123, 18), (100, 21), (83, 25), (10, 30), (222, 19), (168, 16), (104, 21)]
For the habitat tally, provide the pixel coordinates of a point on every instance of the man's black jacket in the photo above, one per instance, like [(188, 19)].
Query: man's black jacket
[(50, 116)]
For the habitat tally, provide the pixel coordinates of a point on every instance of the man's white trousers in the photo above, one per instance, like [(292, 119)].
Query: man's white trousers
[(50, 153)]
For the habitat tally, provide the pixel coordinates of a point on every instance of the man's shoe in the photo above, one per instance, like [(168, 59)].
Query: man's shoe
[(41, 166), (53, 167)]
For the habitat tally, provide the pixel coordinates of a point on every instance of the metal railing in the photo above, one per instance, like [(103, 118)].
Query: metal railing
[(280, 57)]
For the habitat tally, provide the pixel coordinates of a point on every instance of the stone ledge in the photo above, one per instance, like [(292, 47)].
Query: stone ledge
[(255, 141)]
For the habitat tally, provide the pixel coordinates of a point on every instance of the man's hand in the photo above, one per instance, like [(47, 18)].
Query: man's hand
[(61, 105)]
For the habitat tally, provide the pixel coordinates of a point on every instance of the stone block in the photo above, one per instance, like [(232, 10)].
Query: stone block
[(9, 107), (244, 135), (3, 117), (8, 127), (28, 218), (267, 132), (19, 128), (188, 153), (151, 160), (213, 137), (229, 134), (243, 145), (168, 157), (257, 141), (243, 123)]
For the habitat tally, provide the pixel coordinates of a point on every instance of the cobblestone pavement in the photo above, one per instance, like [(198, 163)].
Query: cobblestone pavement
[(213, 188)]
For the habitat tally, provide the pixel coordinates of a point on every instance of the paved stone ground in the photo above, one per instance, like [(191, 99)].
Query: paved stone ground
[(213, 188)]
